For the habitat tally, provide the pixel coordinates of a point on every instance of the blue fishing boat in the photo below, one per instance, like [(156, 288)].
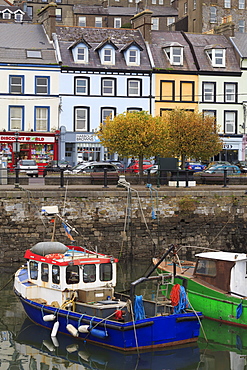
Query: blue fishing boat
[(71, 290), (39, 352)]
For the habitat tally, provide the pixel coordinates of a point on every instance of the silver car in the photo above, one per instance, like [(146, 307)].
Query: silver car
[(88, 167), (29, 166)]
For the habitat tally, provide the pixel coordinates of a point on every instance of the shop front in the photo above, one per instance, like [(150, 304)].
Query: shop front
[(41, 147), (233, 149)]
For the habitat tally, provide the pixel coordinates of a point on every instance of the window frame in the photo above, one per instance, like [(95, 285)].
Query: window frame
[(114, 85), (139, 87), (47, 85), (85, 19), (155, 23), (59, 17), (241, 4), (113, 109), (169, 51), (234, 131), (22, 109), (241, 25), (172, 82), (87, 87), (213, 14), (213, 100), (100, 21), (213, 57), (234, 94), (227, 4), (47, 109), (192, 83), (12, 85), (116, 20), (87, 118)]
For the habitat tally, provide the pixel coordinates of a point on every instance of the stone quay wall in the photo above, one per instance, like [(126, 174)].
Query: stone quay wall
[(135, 224)]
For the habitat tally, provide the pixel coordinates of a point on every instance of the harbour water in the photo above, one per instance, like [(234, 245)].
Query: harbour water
[(23, 345)]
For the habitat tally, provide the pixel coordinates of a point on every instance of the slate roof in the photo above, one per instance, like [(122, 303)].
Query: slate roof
[(199, 43), (13, 9), (94, 37), (16, 38), (240, 41), (161, 39)]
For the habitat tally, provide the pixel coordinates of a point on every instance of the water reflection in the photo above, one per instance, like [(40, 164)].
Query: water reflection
[(23, 345), (41, 349)]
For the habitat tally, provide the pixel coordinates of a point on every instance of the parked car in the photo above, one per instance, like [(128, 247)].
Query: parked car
[(242, 165), (216, 163), (195, 166), (118, 164), (134, 166), (91, 167), (153, 169), (29, 166), (56, 166), (231, 169)]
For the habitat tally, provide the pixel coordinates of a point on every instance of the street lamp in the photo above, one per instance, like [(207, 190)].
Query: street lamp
[(16, 149), (57, 134)]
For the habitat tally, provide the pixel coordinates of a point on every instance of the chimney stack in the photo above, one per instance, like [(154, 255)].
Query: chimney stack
[(143, 22), (226, 28), (47, 17)]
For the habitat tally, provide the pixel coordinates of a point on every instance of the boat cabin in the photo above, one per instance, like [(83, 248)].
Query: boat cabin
[(226, 271), (55, 268)]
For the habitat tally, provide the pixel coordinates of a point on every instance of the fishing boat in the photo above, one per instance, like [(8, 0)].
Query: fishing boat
[(71, 290), (215, 283), (39, 352)]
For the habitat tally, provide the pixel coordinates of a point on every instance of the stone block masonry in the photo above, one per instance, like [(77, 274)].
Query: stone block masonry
[(141, 226)]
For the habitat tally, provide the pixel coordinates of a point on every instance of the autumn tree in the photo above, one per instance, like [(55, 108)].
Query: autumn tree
[(133, 134), (190, 134)]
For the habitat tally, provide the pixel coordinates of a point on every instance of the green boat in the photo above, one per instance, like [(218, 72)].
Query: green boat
[(216, 284)]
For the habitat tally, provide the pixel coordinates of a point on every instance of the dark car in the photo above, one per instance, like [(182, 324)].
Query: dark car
[(134, 166), (242, 165), (118, 164), (56, 166), (195, 166)]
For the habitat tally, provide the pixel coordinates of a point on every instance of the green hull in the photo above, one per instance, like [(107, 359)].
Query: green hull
[(214, 305), (222, 337)]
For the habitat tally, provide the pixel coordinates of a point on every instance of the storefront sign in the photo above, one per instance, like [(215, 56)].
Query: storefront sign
[(86, 137), (27, 139)]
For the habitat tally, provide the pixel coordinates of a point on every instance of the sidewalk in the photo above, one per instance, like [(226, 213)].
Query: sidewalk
[(38, 185)]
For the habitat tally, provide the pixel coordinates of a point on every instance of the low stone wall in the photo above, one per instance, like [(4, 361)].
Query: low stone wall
[(138, 224)]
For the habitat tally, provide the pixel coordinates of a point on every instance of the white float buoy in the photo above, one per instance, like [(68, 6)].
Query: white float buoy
[(55, 329), (83, 328), (49, 317), (72, 330)]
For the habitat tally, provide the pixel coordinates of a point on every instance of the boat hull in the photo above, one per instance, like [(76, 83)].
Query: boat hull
[(149, 333), (215, 305)]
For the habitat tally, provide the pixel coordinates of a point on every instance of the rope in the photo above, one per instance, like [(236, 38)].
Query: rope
[(139, 308), (132, 315)]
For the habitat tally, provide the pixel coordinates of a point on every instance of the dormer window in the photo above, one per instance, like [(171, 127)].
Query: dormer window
[(175, 55), (131, 53), (80, 51), (107, 50), (217, 56), (6, 14), (18, 16)]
